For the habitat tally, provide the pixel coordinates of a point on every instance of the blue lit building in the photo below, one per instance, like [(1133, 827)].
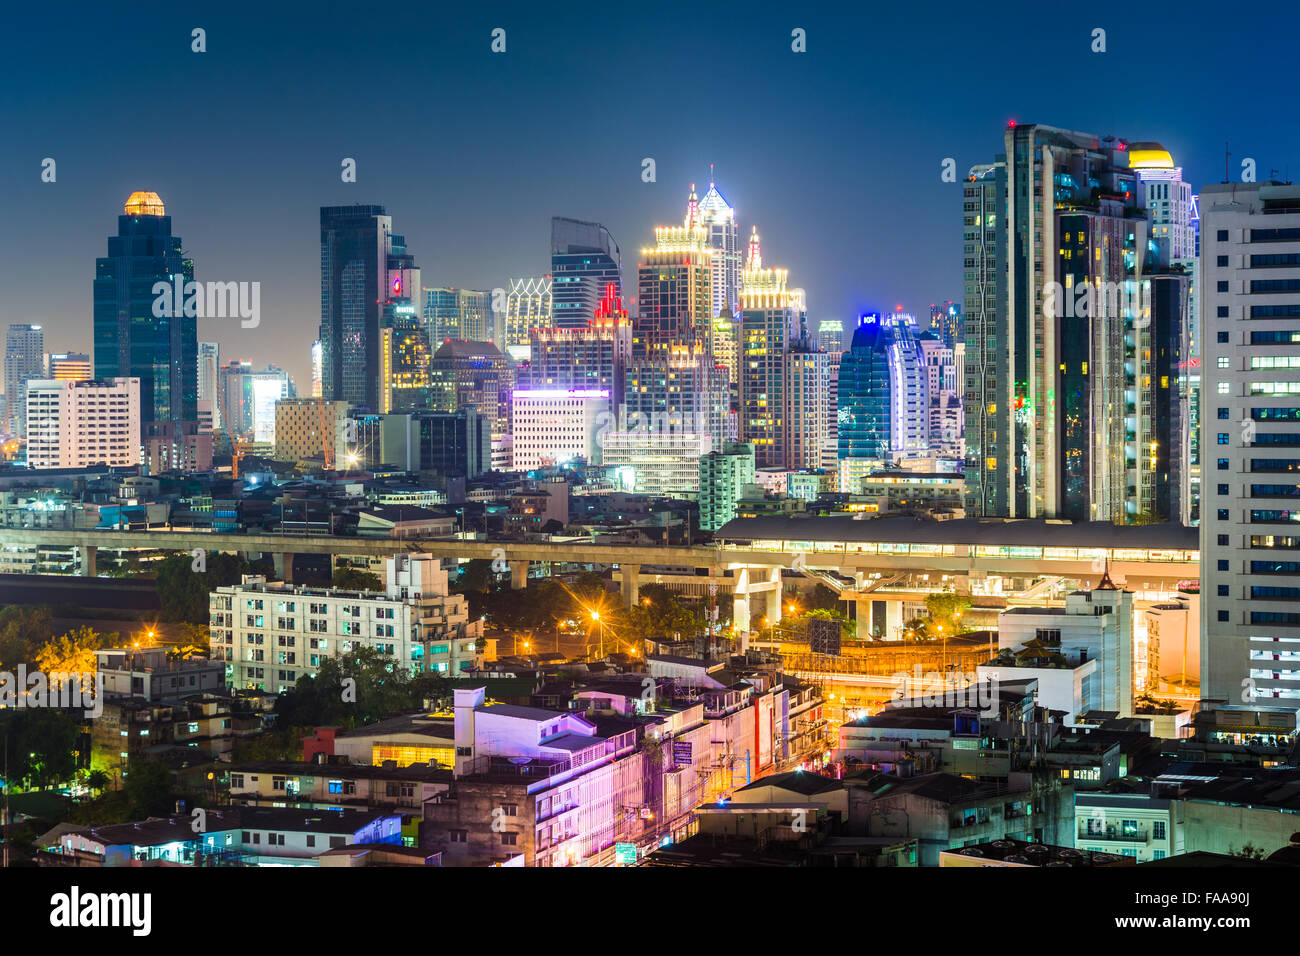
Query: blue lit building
[(585, 260)]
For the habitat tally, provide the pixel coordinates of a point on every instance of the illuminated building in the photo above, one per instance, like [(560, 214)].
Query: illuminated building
[(130, 340), (830, 335), (248, 397), (678, 391), (24, 351), (472, 375), (1250, 520), (363, 265), (303, 426), (809, 407), (663, 464), (404, 354), (1053, 289), (68, 366), (270, 633), (594, 355), (718, 218), (585, 263), (79, 424), (675, 293), (882, 404), (457, 314), (528, 306), (553, 426), (723, 477), (317, 382), (772, 327)]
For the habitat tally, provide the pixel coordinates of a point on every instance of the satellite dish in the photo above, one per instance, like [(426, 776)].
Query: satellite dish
[(520, 761)]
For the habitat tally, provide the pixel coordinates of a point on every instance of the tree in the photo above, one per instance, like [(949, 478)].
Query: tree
[(22, 631), (98, 781), (184, 591), (946, 610), (42, 746), (476, 576), (73, 653), (354, 579), (660, 614), (150, 787), (194, 639)]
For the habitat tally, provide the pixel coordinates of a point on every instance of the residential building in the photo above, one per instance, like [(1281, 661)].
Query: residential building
[(79, 424), (24, 351), (722, 480)]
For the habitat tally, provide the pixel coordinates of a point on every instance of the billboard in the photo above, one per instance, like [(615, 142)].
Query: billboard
[(824, 636)]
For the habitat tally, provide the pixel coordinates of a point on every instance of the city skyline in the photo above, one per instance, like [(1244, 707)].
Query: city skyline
[(834, 208)]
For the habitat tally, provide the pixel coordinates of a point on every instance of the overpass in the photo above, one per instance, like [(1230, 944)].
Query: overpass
[(905, 557)]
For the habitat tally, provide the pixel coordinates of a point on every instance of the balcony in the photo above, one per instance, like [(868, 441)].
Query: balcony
[(1114, 834)]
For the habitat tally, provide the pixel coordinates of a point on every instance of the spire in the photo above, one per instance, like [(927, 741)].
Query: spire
[(711, 175), (755, 260), (692, 208)]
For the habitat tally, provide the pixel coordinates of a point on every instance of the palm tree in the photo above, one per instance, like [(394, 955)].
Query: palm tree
[(98, 780)]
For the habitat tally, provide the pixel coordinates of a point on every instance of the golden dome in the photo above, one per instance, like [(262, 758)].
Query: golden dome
[(1149, 156), (144, 204)]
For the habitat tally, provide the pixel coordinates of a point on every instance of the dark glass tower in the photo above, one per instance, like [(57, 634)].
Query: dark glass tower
[(584, 261), (355, 243), (132, 342), (864, 393)]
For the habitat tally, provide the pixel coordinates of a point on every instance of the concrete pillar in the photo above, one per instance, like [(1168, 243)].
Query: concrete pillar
[(283, 566), (518, 575), (86, 555), (631, 575), (775, 599), (740, 609), (893, 620)]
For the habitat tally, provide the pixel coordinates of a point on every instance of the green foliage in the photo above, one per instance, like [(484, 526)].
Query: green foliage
[(823, 598), (98, 781), (848, 629), (22, 632), (42, 746), (184, 591), (476, 576), (946, 610), (150, 787), (358, 688), (661, 614), (354, 579)]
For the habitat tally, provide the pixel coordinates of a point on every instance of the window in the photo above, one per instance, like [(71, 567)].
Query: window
[(1223, 261), (1223, 590), (1223, 439), (1223, 565), (1223, 387), (311, 839), (1223, 412), (1223, 287), (1222, 464), (457, 836), (337, 841), (1223, 514), (1223, 361), (1223, 616), (508, 839), (1223, 336), (1223, 311), (1223, 489), (1223, 235), (1223, 540)]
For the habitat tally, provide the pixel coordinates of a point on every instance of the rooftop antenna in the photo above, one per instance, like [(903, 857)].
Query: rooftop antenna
[(711, 179), (1226, 154)]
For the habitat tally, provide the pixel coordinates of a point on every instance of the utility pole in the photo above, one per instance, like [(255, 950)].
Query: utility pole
[(6, 851)]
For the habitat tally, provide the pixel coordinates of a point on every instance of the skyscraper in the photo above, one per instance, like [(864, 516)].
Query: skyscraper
[(675, 293), (1053, 295), (528, 306), (883, 407), (585, 261), (1250, 522), (457, 314), (68, 366), (24, 361), (719, 220), (130, 340), (362, 265), (404, 374), (209, 397), (771, 326)]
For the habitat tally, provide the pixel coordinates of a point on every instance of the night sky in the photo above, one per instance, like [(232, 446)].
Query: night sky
[(835, 153)]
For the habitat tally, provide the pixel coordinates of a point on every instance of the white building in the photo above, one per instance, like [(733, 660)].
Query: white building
[(647, 462), (1139, 825), (78, 424), (554, 425), (1094, 625), (1071, 689), (1250, 410), (271, 634)]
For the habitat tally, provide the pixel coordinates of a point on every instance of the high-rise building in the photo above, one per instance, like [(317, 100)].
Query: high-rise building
[(528, 306), (653, 463), (24, 361), (404, 374), (132, 340), (209, 403), (317, 370), (473, 375), (946, 323), (772, 327), (363, 265), (883, 401), (723, 476), (80, 424), (585, 262), (307, 428), (553, 426), (677, 392), (675, 293), (1250, 522), (1053, 296), (68, 366), (248, 398), (457, 314), (718, 218), (830, 335), (594, 355)]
